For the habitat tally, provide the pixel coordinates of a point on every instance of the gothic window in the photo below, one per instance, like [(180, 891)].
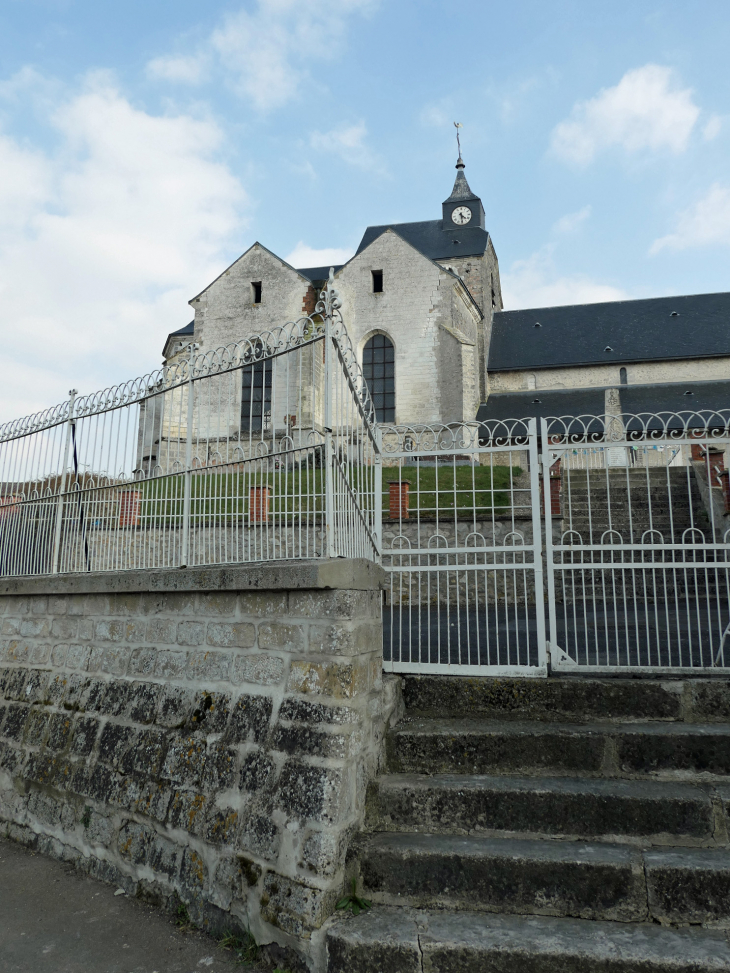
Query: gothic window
[(256, 397), (378, 365), (623, 376)]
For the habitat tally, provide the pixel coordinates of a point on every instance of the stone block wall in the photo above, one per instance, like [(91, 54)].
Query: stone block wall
[(198, 736)]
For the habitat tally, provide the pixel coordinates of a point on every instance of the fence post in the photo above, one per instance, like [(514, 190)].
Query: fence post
[(59, 511), (378, 499), (547, 514), (184, 554), (330, 295)]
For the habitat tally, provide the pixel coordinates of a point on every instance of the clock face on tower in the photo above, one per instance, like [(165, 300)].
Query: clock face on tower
[(461, 215)]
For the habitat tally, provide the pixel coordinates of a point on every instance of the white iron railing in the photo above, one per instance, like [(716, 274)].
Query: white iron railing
[(265, 449), (462, 549), (638, 553)]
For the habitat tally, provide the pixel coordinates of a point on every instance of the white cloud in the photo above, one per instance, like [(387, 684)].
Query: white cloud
[(645, 110), (189, 69), (571, 221), (535, 282), (348, 142), (268, 51), (306, 256), (712, 127), (706, 223), (103, 241)]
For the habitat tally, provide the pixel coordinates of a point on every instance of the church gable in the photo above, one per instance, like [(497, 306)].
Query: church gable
[(257, 292), (390, 288)]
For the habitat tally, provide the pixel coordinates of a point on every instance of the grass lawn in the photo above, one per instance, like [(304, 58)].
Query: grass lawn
[(468, 488), (224, 496)]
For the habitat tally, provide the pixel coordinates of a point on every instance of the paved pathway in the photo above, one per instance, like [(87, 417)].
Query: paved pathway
[(55, 920)]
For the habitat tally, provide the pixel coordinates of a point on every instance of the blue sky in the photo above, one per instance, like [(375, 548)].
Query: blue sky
[(144, 146)]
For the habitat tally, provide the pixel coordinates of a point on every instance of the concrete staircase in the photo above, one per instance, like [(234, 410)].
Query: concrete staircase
[(632, 502), (566, 825)]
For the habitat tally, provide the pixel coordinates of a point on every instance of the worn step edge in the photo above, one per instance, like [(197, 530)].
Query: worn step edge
[(588, 809), (391, 940), (505, 875), (582, 697), (547, 877), (644, 751)]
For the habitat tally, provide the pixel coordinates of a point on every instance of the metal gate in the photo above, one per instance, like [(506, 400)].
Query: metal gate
[(461, 543), (637, 542)]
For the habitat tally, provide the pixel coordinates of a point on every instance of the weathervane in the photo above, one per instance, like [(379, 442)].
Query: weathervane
[(457, 126)]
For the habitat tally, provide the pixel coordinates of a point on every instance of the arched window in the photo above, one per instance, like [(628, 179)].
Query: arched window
[(623, 376), (378, 365), (256, 396)]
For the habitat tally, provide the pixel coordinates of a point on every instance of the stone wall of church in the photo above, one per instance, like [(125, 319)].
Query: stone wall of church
[(596, 376), (416, 300), (225, 311), (481, 276)]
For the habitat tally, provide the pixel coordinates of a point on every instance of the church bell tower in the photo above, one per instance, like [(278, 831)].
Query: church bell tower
[(462, 210)]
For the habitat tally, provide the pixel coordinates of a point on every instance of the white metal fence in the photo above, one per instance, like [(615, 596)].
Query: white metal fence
[(263, 449), (598, 544), (631, 515), (638, 553), (462, 549)]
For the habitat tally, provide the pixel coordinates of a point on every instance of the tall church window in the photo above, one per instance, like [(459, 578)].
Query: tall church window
[(377, 282), (256, 397), (623, 376), (378, 365)]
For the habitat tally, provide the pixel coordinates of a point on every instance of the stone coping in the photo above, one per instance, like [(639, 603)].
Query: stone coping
[(356, 574)]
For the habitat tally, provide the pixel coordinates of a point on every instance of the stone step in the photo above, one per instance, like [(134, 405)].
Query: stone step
[(568, 699), (546, 877), (554, 878), (619, 496), (391, 940), (635, 750), (648, 811)]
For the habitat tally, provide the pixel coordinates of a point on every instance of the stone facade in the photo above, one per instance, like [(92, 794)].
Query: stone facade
[(428, 315), (198, 737), (597, 375), (436, 310)]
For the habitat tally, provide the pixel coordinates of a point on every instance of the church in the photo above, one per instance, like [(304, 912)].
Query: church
[(422, 304)]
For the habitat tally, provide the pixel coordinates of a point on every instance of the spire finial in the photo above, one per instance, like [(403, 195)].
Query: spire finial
[(459, 161)]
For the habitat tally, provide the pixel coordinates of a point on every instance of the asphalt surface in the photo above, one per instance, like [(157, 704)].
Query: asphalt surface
[(55, 920)]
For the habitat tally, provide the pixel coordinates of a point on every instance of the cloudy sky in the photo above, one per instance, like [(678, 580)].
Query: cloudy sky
[(145, 145)]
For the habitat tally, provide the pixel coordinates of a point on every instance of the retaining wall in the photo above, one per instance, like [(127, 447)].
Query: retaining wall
[(198, 736)]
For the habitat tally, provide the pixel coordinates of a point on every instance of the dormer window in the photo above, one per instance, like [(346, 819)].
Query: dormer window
[(256, 291), (377, 282)]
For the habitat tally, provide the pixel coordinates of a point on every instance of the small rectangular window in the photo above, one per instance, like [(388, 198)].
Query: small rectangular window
[(377, 282), (256, 288)]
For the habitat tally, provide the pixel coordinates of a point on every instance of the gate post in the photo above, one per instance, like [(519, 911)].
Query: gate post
[(548, 514), (532, 444), (378, 486)]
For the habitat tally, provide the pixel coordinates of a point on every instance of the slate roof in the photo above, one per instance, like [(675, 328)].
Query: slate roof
[(704, 401), (318, 273), (660, 328), (433, 241), (188, 329), (541, 403), (461, 188)]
